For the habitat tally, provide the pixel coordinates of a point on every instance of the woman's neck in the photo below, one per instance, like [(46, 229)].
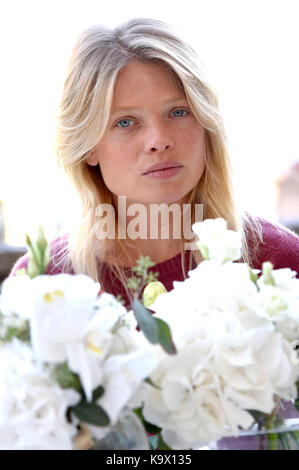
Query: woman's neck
[(154, 234), (157, 250)]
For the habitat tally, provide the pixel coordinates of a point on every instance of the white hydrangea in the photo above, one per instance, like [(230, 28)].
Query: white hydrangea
[(234, 341), (32, 406), (241, 370)]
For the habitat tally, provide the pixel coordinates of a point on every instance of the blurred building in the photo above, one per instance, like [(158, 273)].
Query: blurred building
[(287, 206), (8, 254)]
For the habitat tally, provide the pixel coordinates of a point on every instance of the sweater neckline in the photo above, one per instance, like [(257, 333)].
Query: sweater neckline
[(168, 262)]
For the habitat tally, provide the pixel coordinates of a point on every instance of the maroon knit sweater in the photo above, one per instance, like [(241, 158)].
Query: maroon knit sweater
[(279, 246)]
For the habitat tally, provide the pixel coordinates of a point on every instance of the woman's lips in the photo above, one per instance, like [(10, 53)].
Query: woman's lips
[(165, 173)]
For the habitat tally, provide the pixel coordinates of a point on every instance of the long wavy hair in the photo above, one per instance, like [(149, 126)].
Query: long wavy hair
[(96, 60)]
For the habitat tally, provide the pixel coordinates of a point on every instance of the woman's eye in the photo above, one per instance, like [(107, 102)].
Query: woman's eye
[(179, 112), (126, 122)]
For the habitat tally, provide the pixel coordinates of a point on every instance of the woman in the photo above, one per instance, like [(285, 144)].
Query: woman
[(139, 120)]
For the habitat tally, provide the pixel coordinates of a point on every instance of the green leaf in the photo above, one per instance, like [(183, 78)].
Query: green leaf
[(150, 428), (65, 377), (272, 441), (294, 435), (34, 259), (283, 438), (21, 332), (146, 321), (297, 404), (120, 299), (11, 332), (258, 416), (152, 277), (252, 276), (161, 444), (97, 393), (91, 413), (133, 283), (164, 337), (38, 252), (154, 329), (41, 241), (143, 263), (150, 382), (138, 412)]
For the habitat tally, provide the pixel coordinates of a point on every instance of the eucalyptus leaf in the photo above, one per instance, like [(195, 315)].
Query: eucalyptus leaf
[(97, 393), (91, 413), (133, 283), (150, 428), (138, 412), (146, 322), (152, 277), (161, 444), (164, 337), (65, 377)]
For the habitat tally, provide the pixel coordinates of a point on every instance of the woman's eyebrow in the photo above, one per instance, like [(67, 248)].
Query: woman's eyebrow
[(128, 109)]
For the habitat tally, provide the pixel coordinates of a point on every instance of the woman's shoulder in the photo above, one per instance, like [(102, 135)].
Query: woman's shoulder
[(277, 244), (58, 258)]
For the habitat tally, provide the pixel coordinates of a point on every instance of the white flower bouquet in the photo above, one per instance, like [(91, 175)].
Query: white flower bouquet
[(219, 356), (70, 359), (235, 336)]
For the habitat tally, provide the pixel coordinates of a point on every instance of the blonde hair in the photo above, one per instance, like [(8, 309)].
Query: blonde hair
[(97, 58)]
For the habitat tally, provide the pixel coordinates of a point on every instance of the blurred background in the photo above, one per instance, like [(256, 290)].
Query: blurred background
[(249, 49)]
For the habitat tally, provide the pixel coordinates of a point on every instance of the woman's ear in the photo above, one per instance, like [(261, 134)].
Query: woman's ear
[(92, 159)]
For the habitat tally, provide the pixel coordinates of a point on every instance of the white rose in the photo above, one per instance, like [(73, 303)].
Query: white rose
[(217, 241)]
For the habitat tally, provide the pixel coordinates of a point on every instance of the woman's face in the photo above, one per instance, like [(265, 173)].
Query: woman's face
[(150, 124)]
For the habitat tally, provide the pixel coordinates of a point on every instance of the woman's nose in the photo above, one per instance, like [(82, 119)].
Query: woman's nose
[(159, 147), (158, 139)]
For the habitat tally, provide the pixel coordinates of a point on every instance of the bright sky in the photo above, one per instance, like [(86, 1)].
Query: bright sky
[(249, 49)]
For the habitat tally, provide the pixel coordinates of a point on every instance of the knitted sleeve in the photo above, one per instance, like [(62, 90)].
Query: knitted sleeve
[(280, 246)]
